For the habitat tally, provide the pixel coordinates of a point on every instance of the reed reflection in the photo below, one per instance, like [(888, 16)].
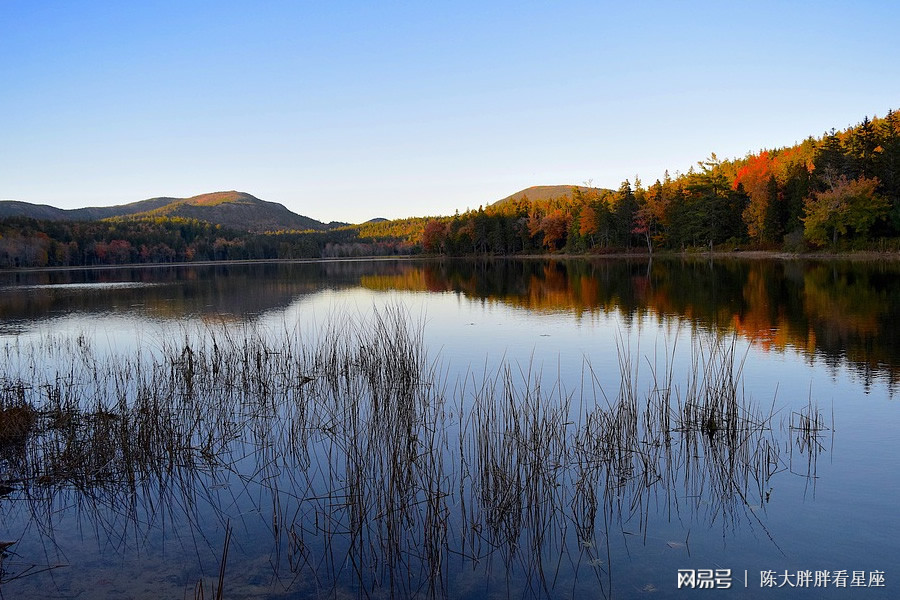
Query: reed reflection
[(351, 464)]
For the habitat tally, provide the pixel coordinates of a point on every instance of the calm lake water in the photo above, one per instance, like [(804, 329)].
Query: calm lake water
[(480, 429)]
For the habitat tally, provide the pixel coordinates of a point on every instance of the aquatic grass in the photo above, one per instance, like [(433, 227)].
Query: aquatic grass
[(808, 428), (370, 467), (16, 422)]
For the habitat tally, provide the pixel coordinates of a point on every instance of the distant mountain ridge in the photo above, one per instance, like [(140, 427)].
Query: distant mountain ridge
[(14, 208), (232, 209)]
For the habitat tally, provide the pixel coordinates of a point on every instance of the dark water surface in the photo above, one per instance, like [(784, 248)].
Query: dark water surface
[(508, 428)]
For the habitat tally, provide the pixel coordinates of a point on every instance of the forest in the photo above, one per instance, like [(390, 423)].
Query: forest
[(839, 192), (29, 243)]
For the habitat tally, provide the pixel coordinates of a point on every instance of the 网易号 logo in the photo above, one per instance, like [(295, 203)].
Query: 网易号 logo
[(708, 579)]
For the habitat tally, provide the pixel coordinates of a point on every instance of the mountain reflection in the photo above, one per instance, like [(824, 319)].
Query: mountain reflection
[(841, 312), (177, 292)]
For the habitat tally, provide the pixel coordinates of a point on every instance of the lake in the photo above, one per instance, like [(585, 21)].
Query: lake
[(532, 428)]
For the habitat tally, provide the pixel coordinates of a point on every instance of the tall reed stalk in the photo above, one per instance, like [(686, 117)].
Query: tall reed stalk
[(370, 467)]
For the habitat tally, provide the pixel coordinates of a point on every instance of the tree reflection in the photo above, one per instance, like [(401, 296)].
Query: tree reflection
[(839, 311)]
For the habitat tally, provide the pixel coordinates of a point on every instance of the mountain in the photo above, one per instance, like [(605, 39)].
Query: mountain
[(235, 210), (12, 208), (542, 193)]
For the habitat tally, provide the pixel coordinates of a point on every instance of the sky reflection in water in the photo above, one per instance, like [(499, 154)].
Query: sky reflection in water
[(806, 333)]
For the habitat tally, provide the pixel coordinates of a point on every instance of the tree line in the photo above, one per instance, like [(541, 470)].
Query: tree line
[(26, 242), (840, 191)]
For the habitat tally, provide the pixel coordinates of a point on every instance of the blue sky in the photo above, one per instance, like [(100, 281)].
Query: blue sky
[(351, 110)]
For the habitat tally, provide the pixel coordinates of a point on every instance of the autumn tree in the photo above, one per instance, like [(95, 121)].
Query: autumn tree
[(757, 180), (847, 207), (587, 224), (434, 236), (554, 227), (651, 213)]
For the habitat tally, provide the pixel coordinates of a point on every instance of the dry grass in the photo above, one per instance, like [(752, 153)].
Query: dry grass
[(370, 467)]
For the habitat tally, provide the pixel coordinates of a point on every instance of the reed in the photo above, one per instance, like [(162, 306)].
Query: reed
[(369, 465)]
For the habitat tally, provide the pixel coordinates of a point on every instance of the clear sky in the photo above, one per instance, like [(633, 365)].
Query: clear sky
[(352, 110)]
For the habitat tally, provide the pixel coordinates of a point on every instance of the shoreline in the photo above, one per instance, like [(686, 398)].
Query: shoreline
[(742, 254), (212, 263), (859, 255)]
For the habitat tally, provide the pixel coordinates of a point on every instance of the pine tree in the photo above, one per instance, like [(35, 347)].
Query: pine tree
[(830, 162), (887, 166), (861, 150)]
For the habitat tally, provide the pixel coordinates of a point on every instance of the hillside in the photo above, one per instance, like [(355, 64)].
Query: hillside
[(12, 208), (542, 193), (235, 210)]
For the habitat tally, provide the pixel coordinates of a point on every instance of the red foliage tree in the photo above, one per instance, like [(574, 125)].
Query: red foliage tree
[(434, 236)]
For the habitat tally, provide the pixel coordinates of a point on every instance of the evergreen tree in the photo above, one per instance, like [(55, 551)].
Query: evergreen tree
[(829, 161), (861, 150), (624, 211), (887, 166)]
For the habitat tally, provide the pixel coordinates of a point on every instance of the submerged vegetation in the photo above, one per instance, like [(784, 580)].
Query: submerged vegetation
[(366, 466)]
